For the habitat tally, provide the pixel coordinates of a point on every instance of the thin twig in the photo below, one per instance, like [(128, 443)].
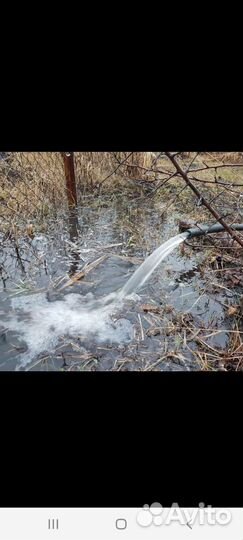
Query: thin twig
[(228, 165), (116, 169), (203, 201)]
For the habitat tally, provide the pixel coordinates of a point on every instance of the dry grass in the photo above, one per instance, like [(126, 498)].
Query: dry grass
[(91, 167), (31, 187), (32, 184)]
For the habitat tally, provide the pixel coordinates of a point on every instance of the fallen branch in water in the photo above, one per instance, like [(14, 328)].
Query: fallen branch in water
[(85, 270)]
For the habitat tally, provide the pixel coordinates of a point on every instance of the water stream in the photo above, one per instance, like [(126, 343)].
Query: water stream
[(142, 274)]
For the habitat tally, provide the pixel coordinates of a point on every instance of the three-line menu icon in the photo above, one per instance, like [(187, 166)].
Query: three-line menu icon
[(53, 524)]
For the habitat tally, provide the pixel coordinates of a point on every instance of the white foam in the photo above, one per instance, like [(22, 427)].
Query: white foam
[(41, 324)]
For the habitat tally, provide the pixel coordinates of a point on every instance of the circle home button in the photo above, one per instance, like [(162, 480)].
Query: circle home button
[(121, 524)]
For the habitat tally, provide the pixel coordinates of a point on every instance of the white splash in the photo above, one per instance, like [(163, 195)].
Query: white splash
[(41, 324)]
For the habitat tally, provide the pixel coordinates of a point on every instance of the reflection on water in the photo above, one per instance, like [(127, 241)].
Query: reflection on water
[(73, 234)]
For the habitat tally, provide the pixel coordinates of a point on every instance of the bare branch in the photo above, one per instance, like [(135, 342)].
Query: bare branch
[(227, 165), (189, 166), (116, 169), (203, 201)]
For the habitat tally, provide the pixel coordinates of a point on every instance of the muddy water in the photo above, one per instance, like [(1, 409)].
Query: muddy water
[(46, 325)]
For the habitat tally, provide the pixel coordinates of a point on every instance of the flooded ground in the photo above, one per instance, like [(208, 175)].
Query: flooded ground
[(52, 284)]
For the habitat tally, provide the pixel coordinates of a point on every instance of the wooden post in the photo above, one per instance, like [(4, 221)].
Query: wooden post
[(70, 178)]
